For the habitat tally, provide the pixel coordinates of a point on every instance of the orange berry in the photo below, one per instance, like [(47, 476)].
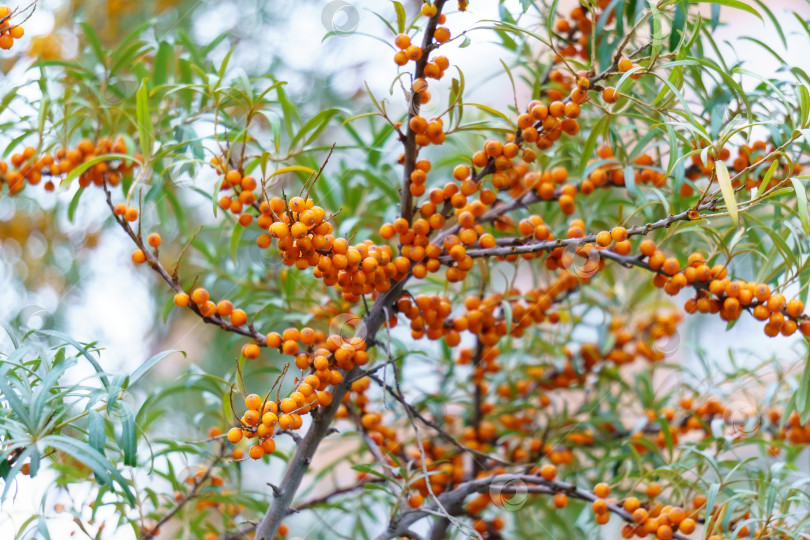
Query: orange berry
[(795, 308), (273, 340), (619, 234), (268, 446), (199, 296), (224, 308), (610, 95), (402, 41), (442, 34), (234, 435), (238, 317), (253, 402), (256, 451)]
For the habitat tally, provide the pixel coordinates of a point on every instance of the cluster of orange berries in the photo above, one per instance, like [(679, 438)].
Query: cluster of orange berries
[(793, 431), (304, 239), (486, 317), (445, 463), (317, 351), (201, 298), (409, 52), (699, 419), (747, 155), (556, 117), (430, 317), (154, 240), (8, 32), (243, 196), (319, 356), (363, 268), (427, 132), (628, 345), (579, 21), (654, 518), (610, 94), (543, 124), (418, 255), (384, 436), (561, 84), (718, 294), (715, 293), (259, 421), (261, 418), (28, 168)]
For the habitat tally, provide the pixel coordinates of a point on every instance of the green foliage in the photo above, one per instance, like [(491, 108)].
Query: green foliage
[(177, 103)]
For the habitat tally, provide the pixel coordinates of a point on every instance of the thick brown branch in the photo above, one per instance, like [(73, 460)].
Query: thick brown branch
[(299, 462), (502, 484), (411, 148)]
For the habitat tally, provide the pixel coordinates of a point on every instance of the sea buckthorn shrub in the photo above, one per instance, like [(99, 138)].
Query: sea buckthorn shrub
[(573, 307)]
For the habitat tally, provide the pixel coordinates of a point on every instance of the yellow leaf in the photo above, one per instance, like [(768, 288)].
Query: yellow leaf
[(292, 168), (727, 190)]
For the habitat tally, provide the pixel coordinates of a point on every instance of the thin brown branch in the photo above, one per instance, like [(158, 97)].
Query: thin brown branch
[(549, 245), (195, 487)]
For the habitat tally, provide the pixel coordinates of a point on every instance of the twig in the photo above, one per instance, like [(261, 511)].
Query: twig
[(195, 487)]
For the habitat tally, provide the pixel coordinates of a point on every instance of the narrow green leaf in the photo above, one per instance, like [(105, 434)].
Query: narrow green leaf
[(97, 436), (766, 180), (14, 402), (727, 190), (400, 16), (805, 106), (149, 364), (74, 204), (236, 237), (94, 42), (590, 144), (801, 204), (81, 169), (128, 438), (736, 4), (145, 131), (160, 73), (803, 393), (776, 24), (104, 470)]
